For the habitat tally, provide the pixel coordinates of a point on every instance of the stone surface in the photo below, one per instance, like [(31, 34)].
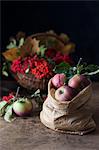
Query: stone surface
[(30, 134)]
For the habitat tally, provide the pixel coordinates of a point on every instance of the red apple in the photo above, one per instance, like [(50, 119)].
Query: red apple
[(65, 93), (58, 80), (78, 82), (23, 107)]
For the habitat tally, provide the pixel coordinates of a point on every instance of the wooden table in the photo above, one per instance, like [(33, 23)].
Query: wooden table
[(30, 134)]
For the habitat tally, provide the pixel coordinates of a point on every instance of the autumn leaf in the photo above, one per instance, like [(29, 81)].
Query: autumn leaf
[(35, 46), (68, 48), (11, 54), (64, 37), (25, 49)]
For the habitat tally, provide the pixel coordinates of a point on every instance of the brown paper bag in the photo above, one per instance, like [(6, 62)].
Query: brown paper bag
[(73, 116)]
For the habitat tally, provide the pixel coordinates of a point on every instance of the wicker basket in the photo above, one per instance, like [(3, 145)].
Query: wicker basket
[(32, 83), (29, 81)]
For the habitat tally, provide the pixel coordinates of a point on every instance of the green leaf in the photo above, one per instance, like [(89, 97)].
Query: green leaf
[(37, 93), (6, 109), (62, 68), (80, 68), (88, 69), (38, 98), (51, 61), (18, 53), (9, 114), (70, 73), (42, 50), (21, 42), (3, 105), (91, 68), (12, 44), (51, 43), (4, 69), (22, 100), (5, 73), (92, 73), (27, 70), (64, 64), (4, 66)]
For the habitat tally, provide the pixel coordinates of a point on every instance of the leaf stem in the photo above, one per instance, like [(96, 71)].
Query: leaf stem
[(91, 73)]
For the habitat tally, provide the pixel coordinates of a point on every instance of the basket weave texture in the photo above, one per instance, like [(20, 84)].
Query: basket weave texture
[(29, 81), (32, 83)]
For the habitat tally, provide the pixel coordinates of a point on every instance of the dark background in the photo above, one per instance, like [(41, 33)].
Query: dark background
[(80, 20)]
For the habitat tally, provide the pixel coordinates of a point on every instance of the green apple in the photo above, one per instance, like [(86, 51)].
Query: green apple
[(23, 107)]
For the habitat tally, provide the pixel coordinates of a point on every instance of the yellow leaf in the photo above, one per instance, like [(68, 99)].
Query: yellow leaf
[(68, 48), (11, 54)]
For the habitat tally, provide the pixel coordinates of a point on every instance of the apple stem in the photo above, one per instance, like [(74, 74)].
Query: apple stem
[(17, 93), (77, 66), (79, 62)]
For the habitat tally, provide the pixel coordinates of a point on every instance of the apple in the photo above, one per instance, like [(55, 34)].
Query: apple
[(65, 93), (78, 82), (23, 107), (58, 80)]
